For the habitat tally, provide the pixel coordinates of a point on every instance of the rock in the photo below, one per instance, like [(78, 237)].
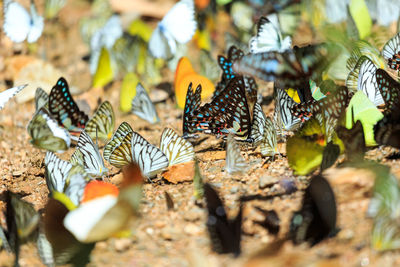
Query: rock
[(192, 215), (234, 189), (16, 173), (170, 233), (266, 181), (192, 229), (122, 244)]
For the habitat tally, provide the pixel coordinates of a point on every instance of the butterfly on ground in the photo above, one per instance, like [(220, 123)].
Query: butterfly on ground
[(234, 162), (363, 78), (22, 221), (192, 103), (225, 234), (391, 52), (389, 89), (41, 99), (46, 133), (63, 108), (283, 116), (102, 123), (6, 95), (19, 25), (290, 67), (316, 219), (177, 27), (353, 140), (269, 38), (387, 130), (87, 154), (143, 107), (176, 148), (127, 146), (229, 110)]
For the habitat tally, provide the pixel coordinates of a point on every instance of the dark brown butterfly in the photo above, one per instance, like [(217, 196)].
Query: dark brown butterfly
[(390, 90)]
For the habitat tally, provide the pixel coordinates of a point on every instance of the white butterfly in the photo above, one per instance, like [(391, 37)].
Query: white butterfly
[(178, 25), (269, 38), (176, 148), (392, 47), (336, 10), (47, 134), (90, 156), (363, 78), (384, 11), (56, 172), (127, 146), (258, 125), (104, 37), (19, 24), (143, 107), (283, 116), (234, 163), (76, 183), (8, 94), (268, 146), (45, 249)]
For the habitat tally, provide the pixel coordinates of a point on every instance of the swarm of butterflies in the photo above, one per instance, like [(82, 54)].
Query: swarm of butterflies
[(318, 116)]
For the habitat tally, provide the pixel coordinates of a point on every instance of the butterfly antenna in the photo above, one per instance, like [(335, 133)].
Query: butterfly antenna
[(97, 143), (352, 116)]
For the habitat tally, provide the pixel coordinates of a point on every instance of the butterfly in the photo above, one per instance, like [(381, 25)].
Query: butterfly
[(268, 38), (389, 89), (143, 107), (52, 7), (105, 37), (45, 250), (291, 67), (329, 156), (56, 172), (283, 116), (19, 24), (192, 103), (316, 218), (234, 162), (198, 182), (46, 133), (353, 140), (90, 157), (176, 148), (263, 132), (6, 95), (363, 78), (332, 106), (177, 26), (22, 222), (391, 52), (384, 12), (225, 234), (41, 99), (227, 110), (387, 130), (64, 109), (102, 123), (127, 146)]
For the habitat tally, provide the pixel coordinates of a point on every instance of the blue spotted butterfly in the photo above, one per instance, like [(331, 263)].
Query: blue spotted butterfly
[(229, 110), (389, 89), (64, 109), (192, 103)]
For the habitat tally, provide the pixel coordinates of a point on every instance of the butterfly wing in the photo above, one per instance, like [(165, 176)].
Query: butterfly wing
[(41, 99), (389, 89), (117, 150), (177, 149), (6, 95), (46, 133), (102, 123), (17, 21), (64, 109), (93, 162), (192, 103), (268, 146), (36, 25), (283, 115), (143, 107), (56, 172), (258, 125), (234, 163), (159, 46)]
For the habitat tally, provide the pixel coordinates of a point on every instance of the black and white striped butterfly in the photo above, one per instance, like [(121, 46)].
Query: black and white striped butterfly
[(176, 148), (64, 109), (102, 123), (283, 116), (6, 95), (143, 107), (363, 78), (391, 52), (89, 156), (127, 146), (234, 162), (46, 133), (41, 99)]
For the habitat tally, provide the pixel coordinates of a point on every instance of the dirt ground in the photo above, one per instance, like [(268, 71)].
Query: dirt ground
[(179, 237)]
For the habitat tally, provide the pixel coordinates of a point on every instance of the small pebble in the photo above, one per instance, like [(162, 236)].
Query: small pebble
[(234, 189), (122, 244), (192, 229), (16, 173), (266, 181), (170, 233), (150, 231)]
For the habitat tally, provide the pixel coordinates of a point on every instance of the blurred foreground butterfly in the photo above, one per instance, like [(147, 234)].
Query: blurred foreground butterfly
[(391, 52), (290, 67), (316, 219), (176, 148), (19, 24), (225, 234), (64, 109), (177, 26), (46, 133), (8, 94), (102, 123), (229, 110), (387, 130), (127, 146)]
